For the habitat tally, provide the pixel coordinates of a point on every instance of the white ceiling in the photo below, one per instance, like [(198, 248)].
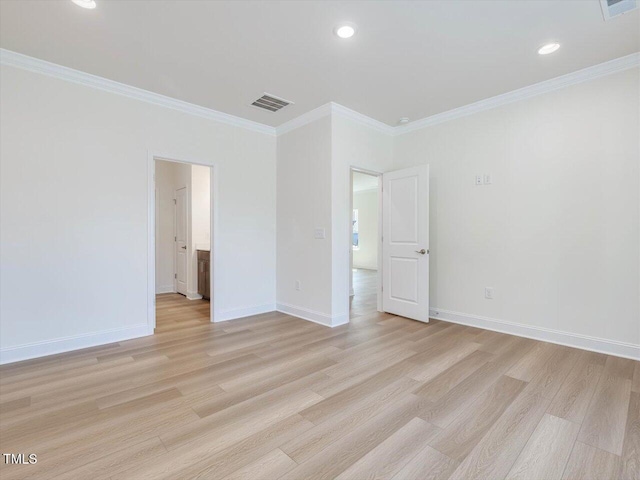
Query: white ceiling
[(412, 59), (363, 181)]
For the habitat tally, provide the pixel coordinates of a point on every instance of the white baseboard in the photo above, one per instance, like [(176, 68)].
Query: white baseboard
[(313, 316), (193, 295), (76, 342), (584, 342), (165, 289), (241, 312)]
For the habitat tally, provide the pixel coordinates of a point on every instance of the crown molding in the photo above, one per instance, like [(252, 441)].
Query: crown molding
[(14, 59), (361, 119), (333, 108), (586, 74), (589, 73), (304, 119), (18, 60)]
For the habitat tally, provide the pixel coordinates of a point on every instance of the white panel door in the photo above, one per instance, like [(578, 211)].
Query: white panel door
[(405, 243), (181, 241)]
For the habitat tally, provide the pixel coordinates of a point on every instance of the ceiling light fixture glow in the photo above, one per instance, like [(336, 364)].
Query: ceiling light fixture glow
[(346, 30), (548, 48), (90, 4)]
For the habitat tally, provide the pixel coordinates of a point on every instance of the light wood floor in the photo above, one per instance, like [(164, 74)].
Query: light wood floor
[(365, 287), (272, 396)]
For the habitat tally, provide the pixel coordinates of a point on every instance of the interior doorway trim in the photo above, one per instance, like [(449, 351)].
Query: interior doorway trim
[(214, 273), (355, 169)]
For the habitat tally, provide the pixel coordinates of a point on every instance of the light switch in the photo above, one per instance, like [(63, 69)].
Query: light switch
[(319, 234), (478, 179), (488, 180)]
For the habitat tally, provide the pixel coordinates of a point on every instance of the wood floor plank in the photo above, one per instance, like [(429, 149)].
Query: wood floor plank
[(546, 453), (459, 438), (552, 373), (440, 385), (631, 447), (329, 406), (312, 442), (497, 451), (337, 382), (385, 460), (459, 398), (619, 367), (211, 459), (243, 418), (428, 464), (272, 396), (572, 400), (340, 455), (591, 463), (221, 402), (531, 363), (605, 422), (430, 364), (273, 465), (16, 404), (117, 462)]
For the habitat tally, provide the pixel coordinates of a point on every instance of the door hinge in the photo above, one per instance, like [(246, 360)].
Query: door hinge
[(175, 239), (175, 275), (174, 201)]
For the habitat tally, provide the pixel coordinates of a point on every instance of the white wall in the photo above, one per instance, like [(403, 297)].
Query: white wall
[(73, 207), (353, 145), (366, 255), (314, 189), (556, 234), (304, 204)]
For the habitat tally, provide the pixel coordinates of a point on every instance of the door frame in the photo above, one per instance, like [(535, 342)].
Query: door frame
[(214, 273), (352, 170)]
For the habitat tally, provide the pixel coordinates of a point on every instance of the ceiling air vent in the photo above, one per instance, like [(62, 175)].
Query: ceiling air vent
[(613, 8), (271, 103)]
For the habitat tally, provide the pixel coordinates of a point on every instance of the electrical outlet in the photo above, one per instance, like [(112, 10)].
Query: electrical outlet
[(298, 285), (488, 293), (319, 234), (488, 180), (478, 179)]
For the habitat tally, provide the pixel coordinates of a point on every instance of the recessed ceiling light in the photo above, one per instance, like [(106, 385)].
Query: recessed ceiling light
[(548, 48), (90, 4), (346, 30)]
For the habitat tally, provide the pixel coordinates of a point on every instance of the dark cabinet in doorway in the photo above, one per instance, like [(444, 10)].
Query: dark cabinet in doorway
[(203, 273)]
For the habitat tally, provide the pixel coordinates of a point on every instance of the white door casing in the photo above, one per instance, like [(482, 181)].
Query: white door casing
[(405, 243), (181, 240)]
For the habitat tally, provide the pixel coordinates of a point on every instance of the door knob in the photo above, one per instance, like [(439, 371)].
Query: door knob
[(185, 247), (421, 252)]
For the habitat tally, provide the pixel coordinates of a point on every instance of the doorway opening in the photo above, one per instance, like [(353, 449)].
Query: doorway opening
[(181, 262), (365, 236)]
